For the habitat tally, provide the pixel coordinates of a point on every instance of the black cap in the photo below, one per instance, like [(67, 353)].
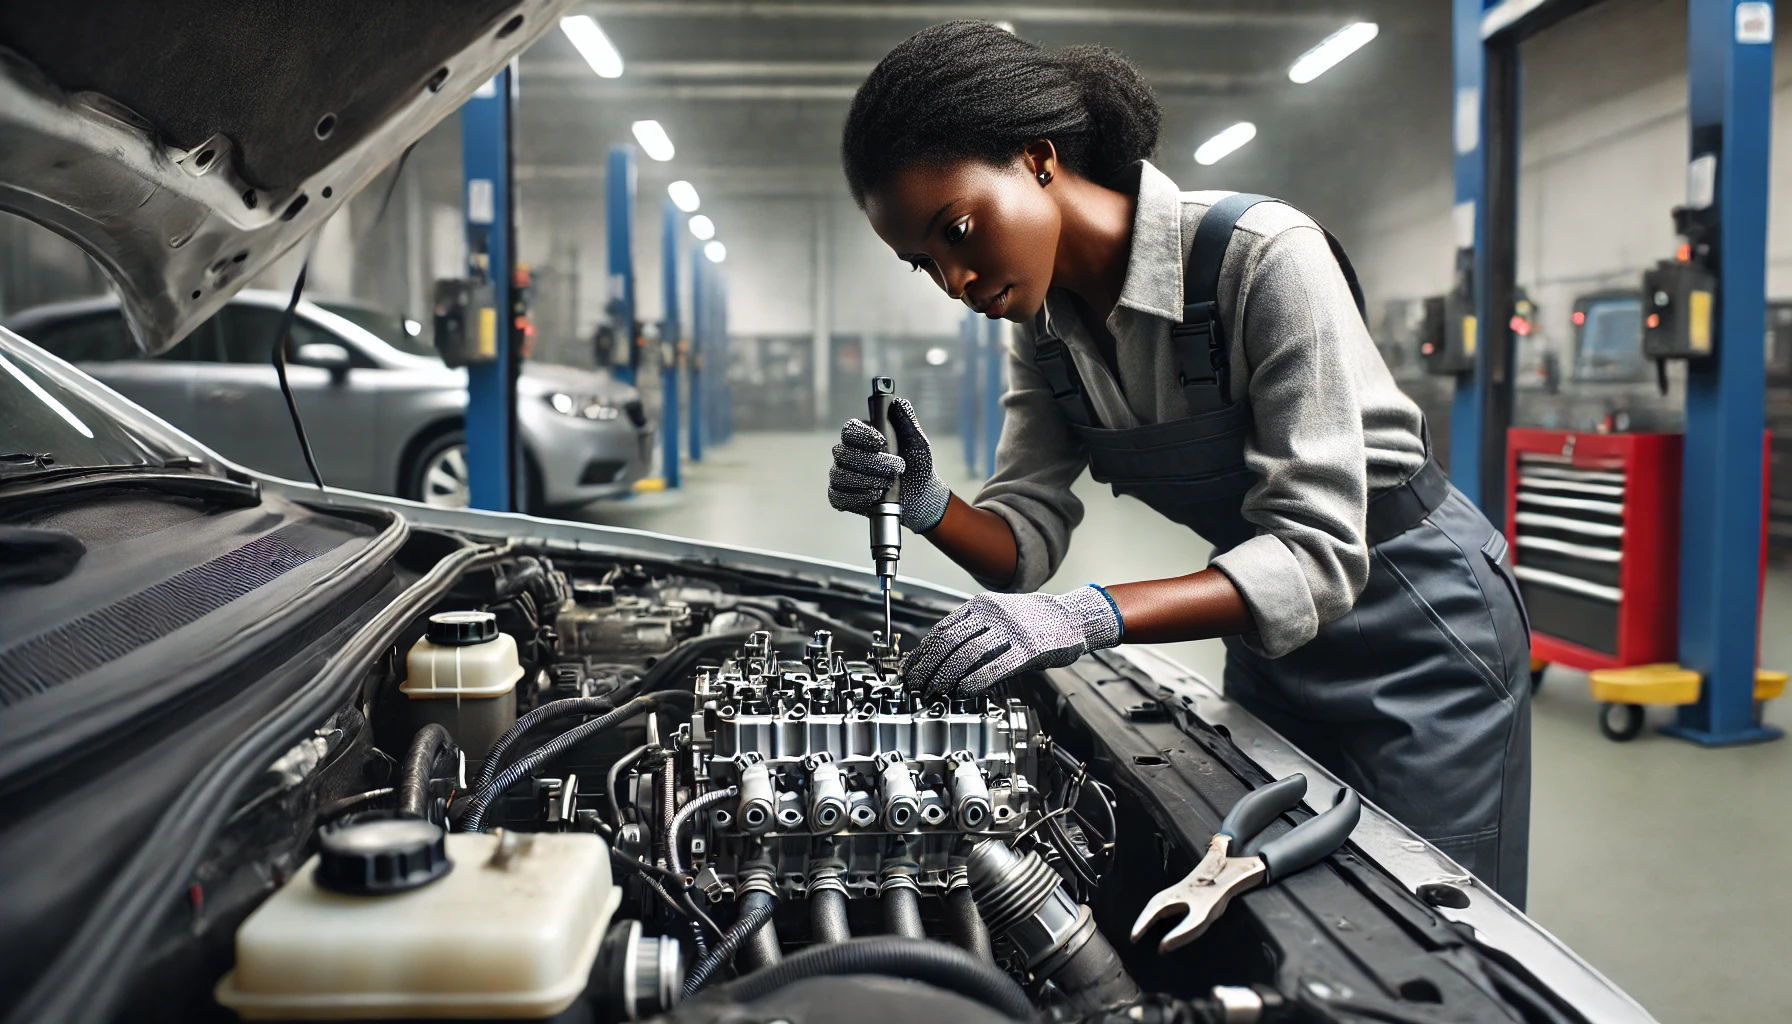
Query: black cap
[(378, 853), (460, 629)]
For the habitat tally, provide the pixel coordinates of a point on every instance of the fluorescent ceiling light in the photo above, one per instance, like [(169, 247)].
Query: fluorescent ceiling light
[(703, 228), (1331, 50), (1222, 145), (593, 45), (684, 196), (654, 140), (716, 251), (937, 356)]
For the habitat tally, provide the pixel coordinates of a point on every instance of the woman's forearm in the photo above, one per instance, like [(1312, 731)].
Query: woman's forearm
[(978, 540), (1195, 607)]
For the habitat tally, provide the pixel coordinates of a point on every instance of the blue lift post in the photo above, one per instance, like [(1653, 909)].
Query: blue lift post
[(971, 385), (1467, 414), (669, 346), (1730, 100), (994, 362), (701, 316), (491, 386), (699, 398), (619, 231), (718, 343)]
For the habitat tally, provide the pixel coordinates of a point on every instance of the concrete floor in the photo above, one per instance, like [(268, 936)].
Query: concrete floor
[(1657, 861)]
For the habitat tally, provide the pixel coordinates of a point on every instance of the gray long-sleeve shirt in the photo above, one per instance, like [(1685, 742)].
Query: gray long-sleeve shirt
[(1328, 424)]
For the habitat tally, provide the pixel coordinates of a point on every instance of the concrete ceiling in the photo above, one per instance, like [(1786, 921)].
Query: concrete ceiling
[(753, 93)]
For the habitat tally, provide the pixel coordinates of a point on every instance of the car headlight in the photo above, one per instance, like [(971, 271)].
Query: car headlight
[(591, 407)]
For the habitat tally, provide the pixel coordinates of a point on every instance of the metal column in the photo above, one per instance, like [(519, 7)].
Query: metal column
[(619, 230), (669, 347), (1485, 135), (995, 362), (702, 315), (971, 386), (1730, 100), (491, 253)]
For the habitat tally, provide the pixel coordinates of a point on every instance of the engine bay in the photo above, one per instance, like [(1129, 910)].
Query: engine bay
[(600, 789)]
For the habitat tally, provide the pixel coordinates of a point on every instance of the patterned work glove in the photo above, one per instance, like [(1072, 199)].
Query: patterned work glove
[(994, 636), (864, 467)]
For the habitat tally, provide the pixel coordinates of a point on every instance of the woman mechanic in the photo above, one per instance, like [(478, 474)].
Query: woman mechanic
[(1205, 353)]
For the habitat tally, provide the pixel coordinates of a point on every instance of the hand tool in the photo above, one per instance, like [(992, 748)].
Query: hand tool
[(1208, 889), (886, 519)]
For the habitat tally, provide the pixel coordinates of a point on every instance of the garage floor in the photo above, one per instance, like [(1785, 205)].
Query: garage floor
[(1657, 861)]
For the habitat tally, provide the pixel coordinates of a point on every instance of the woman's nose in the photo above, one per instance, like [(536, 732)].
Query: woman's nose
[(957, 281)]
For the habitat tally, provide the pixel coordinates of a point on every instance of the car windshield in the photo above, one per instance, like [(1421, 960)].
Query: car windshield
[(402, 333), (55, 418)]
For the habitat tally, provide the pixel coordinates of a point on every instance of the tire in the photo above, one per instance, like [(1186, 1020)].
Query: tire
[(438, 474), (1621, 723)]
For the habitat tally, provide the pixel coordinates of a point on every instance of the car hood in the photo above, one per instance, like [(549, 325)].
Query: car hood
[(186, 145)]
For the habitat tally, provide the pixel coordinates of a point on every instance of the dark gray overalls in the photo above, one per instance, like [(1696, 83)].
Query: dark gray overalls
[(1419, 697)]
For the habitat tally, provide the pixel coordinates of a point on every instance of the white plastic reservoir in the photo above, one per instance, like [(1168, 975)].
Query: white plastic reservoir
[(462, 674), (507, 934)]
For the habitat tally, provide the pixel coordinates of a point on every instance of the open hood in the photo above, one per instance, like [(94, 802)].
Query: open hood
[(186, 145)]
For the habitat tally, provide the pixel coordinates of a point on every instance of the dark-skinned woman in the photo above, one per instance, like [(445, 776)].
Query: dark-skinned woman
[(1206, 353)]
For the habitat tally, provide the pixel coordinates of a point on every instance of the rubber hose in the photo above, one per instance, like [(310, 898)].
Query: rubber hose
[(615, 773), (430, 743), (966, 924), (902, 913), (553, 748), (679, 660), (827, 917), (685, 814), (546, 713), (934, 963), (723, 951), (761, 949)]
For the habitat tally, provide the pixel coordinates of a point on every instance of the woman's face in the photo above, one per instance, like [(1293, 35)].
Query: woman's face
[(987, 235)]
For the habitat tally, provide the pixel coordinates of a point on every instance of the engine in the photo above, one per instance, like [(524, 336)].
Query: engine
[(696, 778)]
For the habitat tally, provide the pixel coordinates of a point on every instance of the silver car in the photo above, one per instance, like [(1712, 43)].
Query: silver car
[(382, 411)]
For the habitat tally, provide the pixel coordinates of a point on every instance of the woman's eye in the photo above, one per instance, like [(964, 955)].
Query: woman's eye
[(956, 231)]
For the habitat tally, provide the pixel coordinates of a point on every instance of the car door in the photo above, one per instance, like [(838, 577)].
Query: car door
[(239, 400), (101, 344)]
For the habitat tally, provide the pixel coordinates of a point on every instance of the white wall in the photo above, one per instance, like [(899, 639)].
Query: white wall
[(1602, 162)]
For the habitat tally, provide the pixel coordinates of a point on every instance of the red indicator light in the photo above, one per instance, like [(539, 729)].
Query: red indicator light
[(1429, 348), (1580, 318), (1684, 253), (1654, 320)]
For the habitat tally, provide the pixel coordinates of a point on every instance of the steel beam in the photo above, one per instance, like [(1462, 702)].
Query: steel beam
[(490, 424), (1730, 102)]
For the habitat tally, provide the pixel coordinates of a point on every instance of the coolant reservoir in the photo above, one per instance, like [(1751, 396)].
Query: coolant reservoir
[(511, 931), (462, 675)]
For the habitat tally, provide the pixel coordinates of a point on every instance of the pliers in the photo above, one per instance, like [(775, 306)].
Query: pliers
[(1208, 889)]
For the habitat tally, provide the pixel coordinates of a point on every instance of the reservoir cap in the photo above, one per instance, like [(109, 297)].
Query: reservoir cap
[(377, 853), (461, 629)]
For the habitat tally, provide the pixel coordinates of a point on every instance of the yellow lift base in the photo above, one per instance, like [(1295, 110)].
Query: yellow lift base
[(1623, 692)]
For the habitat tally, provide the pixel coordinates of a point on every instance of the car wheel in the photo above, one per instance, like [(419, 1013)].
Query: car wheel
[(438, 476)]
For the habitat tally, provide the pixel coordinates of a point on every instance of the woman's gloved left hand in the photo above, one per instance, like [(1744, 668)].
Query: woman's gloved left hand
[(994, 636)]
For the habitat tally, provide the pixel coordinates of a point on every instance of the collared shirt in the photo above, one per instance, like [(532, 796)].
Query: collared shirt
[(1328, 424)]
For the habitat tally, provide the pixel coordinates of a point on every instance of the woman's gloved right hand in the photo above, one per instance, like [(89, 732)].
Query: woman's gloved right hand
[(864, 468)]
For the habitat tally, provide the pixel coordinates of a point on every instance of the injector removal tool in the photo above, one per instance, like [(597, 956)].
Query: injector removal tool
[(886, 519), (1204, 895)]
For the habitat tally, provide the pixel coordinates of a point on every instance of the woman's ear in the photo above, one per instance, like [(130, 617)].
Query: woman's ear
[(1041, 159)]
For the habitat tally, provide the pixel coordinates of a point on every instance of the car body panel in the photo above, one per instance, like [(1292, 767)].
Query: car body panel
[(365, 428)]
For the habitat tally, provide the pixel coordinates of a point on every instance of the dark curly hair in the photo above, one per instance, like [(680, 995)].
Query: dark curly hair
[(970, 90)]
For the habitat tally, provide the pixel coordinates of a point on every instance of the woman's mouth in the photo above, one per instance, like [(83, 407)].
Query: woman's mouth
[(995, 307)]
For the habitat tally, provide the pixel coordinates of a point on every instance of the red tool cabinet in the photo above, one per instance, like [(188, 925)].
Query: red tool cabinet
[(1593, 521)]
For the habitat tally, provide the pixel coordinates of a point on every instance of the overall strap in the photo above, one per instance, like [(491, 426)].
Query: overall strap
[(1053, 360), (1200, 339), (1202, 347)]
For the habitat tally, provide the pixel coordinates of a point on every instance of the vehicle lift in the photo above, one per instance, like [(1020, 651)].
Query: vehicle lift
[(1730, 89), (492, 348)]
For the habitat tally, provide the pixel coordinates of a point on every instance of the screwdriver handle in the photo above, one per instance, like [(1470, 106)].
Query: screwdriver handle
[(877, 409)]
